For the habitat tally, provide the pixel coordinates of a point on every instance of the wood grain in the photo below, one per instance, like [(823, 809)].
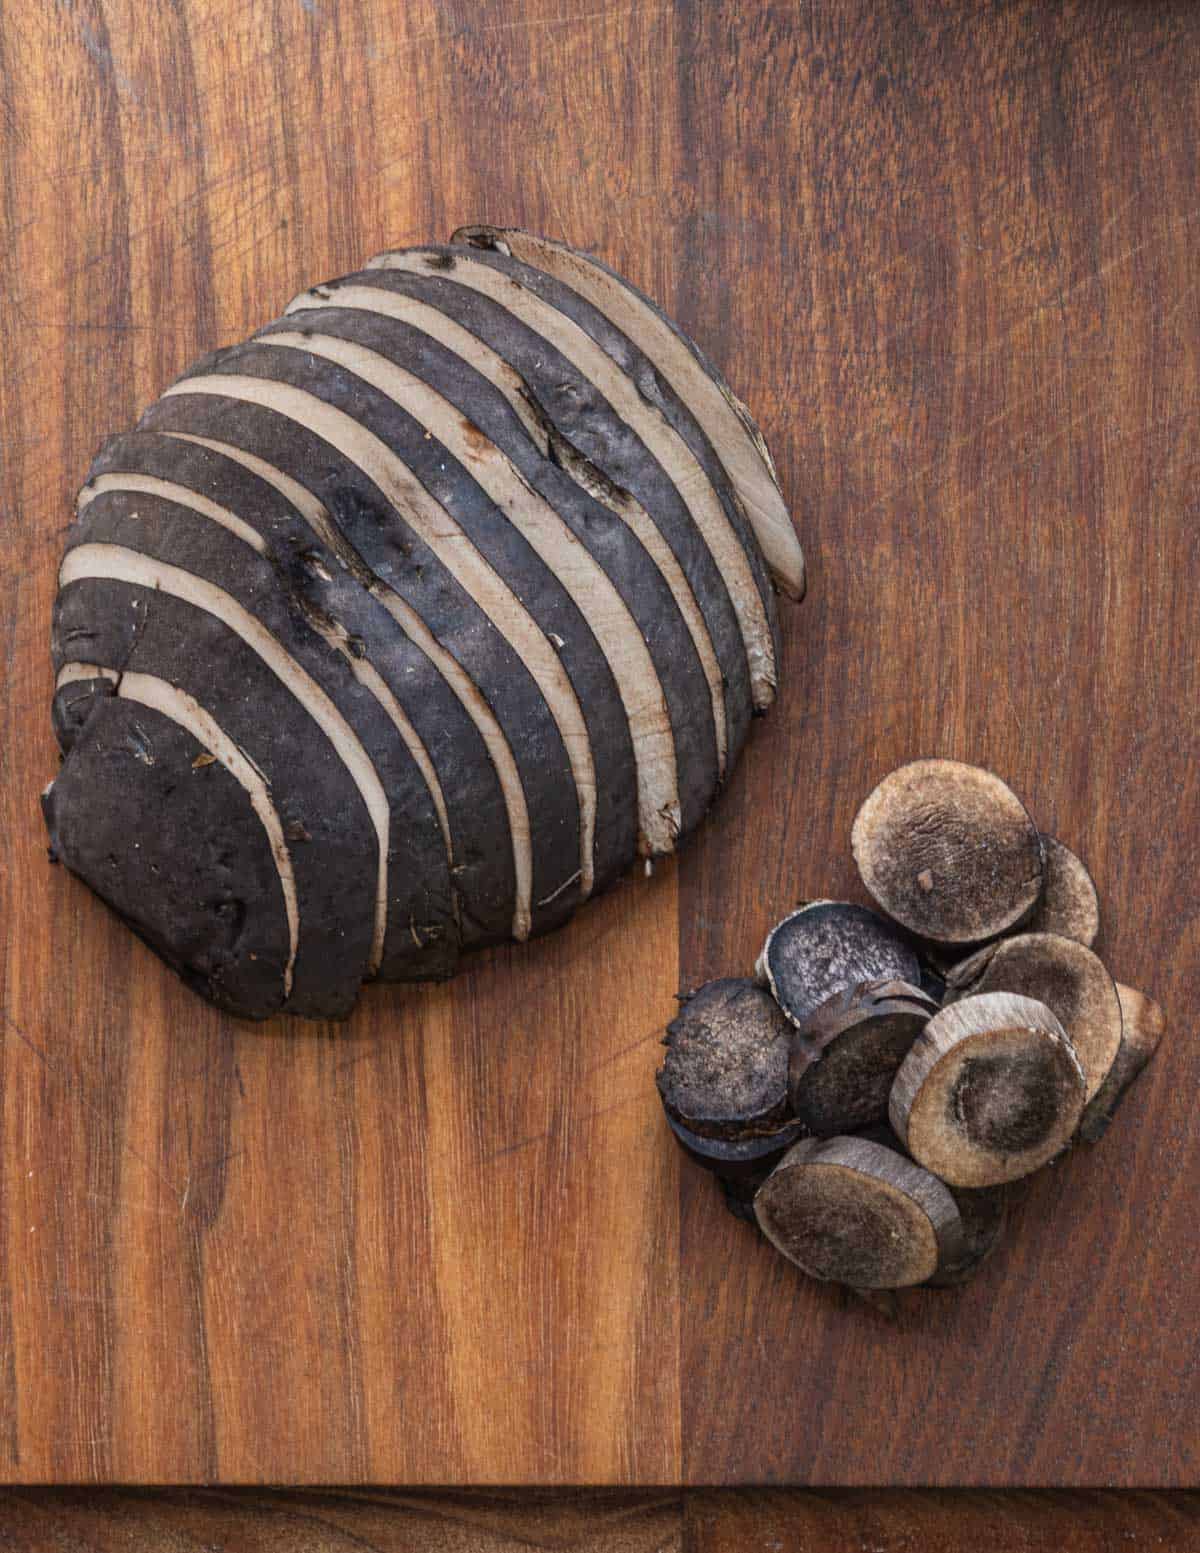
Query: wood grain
[(945, 251), (983, 393), (597, 1521)]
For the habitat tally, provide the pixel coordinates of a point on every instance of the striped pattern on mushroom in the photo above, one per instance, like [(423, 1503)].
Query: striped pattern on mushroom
[(406, 625)]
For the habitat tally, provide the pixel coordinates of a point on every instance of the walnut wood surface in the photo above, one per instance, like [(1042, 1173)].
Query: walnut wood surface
[(946, 253), (596, 1521)]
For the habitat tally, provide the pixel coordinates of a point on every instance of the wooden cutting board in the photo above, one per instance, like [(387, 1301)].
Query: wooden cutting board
[(947, 253)]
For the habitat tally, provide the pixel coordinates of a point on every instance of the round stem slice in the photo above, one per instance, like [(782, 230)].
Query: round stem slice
[(949, 851), (1069, 904), (725, 1072), (1142, 1028), (1064, 975), (826, 947), (849, 1211), (846, 1055), (991, 1090)]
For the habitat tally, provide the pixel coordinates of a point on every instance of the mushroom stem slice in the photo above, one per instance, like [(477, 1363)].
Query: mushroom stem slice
[(990, 1091), (850, 1211), (949, 851), (1143, 1024)]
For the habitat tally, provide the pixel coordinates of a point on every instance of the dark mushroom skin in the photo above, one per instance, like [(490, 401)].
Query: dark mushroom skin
[(421, 927), (439, 632), (826, 947), (493, 428)]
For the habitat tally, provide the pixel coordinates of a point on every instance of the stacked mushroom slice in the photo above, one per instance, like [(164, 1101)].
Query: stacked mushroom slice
[(406, 625), (870, 1096)]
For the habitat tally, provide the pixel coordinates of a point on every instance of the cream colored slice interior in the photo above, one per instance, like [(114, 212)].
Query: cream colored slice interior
[(434, 525), (583, 578), (119, 564), (149, 690), (681, 465), (462, 686), (181, 495), (723, 418), (471, 349)]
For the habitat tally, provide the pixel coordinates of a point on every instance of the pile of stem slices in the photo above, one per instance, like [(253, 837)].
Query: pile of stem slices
[(870, 1097)]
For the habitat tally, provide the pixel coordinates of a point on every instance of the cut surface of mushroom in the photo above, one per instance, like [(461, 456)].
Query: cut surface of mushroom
[(726, 1069), (845, 1056), (722, 417), (827, 946), (1064, 975), (990, 1091), (1142, 1026), (949, 851), (851, 1211)]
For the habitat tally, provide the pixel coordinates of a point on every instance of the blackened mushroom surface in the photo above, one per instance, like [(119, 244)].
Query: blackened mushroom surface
[(1064, 975), (990, 1091), (725, 1074), (949, 851), (1142, 1026), (450, 512), (826, 947), (854, 1212)]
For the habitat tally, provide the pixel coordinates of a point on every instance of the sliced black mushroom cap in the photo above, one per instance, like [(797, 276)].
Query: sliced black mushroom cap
[(127, 503), (725, 1074), (203, 885), (1142, 1026), (183, 659), (1064, 975), (990, 1091), (575, 429), (598, 558), (483, 671), (851, 1211), (949, 851), (827, 946), (724, 419), (846, 1054), (1069, 905), (613, 363)]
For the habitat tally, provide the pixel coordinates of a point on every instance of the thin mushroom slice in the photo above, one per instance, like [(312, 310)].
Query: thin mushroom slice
[(1142, 1026), (726, 422), (725, 1074), (825, 947), (1064, 975), (991, 1091), (949, 851), (1069, 905), (845, 1058), (849, 1211)]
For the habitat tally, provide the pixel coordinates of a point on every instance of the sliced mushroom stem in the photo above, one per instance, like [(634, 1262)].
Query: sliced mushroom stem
[(826, 947), (949, 851), (1069, 905), (991, 1091), (1143, 1024), (849, 1211), (845, 1057), (1064, 975), (725, 1072)]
